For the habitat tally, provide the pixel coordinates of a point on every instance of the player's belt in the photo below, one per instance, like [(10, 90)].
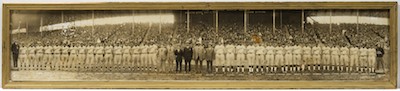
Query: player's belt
[(118, 54), (47, 53)]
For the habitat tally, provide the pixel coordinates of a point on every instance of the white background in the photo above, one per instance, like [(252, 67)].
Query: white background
[(83, 1)]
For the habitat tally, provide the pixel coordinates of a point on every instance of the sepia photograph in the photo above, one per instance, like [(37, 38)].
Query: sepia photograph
[(106, 45), (200, 45)]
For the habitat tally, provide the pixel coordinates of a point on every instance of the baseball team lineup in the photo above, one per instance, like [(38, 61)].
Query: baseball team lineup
[(200, 44), (220, 58)]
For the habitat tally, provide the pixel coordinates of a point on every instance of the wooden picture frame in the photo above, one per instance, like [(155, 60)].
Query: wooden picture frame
[(391, 6)]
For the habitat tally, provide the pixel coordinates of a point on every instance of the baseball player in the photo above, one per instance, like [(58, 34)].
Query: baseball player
[(90, 58), (220, 57), (56, 61), (73, 58), (354, 52), (240, 57), (153, 57), (99, 58), (344, 58), (316, 57), (23, 58), (335, 58), (363, 61), (307, 60), (117, 59), (288, 58), (279, 57), (143, 57), (48, 57), (297, 59), (371, 60), (230, 57), (269, 59), (326, 57), (108, 58), (64, 57), (260, 54), (136, 58), (126, 57), (81, 57), (31, 58), (39, 57), (251, 53)]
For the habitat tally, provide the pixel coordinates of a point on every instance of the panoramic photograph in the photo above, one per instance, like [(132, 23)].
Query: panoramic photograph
[(200, 45)]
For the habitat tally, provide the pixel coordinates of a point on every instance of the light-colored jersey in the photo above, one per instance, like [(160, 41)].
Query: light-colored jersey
[(270, 50), (354, 51), (48, 50), (143, 49), (82, 50), (153, 49), (230, 49), (99, 50), (57, 50), (260, 50), (371, 52), (39, 50), (335, 51), (344, 51), (280, 50), (251, 50), (219, 49), (31, 50), (65, 50), (126, 49), (363, 52), (316, 50), (108, 49), (307, 50), (74, 50), (288, 50), (23, 50), (90, 49), (240, 49), (117, 50), (326, 51)]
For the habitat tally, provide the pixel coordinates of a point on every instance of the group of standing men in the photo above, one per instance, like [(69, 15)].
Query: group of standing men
[(284, 59), (226, 58)]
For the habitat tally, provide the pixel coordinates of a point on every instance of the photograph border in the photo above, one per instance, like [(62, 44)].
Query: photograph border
[(8, 7)]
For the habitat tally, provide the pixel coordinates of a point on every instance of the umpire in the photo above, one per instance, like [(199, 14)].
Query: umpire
[(15, 52), (187, 55), (379, 56)]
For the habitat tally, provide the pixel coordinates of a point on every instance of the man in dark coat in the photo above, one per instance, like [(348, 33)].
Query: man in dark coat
[(178, 58), (209, 57), (379, 56), (15, 52), (187, 55)]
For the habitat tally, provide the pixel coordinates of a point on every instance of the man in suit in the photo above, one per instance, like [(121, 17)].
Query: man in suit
[(198, 56), (15, 51), (187, 55), (209, 56), (178, 58)]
